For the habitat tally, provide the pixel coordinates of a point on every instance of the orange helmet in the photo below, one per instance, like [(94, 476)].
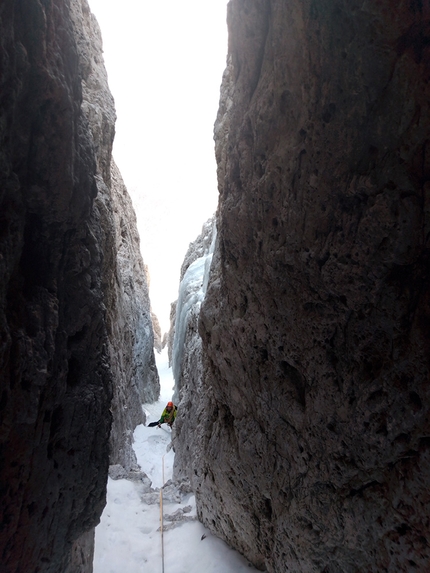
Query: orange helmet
[(170, 404)]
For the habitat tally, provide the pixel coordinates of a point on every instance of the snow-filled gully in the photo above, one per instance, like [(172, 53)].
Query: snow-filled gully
[(128, 538)]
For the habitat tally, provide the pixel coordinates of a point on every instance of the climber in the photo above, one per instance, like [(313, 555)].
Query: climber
[(169, 414), (167, 417)]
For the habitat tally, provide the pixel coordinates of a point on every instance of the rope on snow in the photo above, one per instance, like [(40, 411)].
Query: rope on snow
[(161, 519)]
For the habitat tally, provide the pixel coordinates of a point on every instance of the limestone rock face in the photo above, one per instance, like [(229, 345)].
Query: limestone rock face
[(171, 334), (82, 554), (131, 339), (58, 235), (313, 453), (158, 338)]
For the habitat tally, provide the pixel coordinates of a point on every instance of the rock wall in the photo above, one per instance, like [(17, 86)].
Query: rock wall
[(158, 336), (130, 332), (58, 308), (312, 451)]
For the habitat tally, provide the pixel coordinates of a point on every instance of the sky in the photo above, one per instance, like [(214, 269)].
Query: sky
[(128, 537), (165, 61)]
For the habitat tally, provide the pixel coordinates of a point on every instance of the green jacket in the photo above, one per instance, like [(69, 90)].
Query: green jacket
[(168, 417)]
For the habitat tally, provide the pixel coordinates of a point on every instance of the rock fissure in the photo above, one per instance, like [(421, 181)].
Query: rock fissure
[(302, 336)]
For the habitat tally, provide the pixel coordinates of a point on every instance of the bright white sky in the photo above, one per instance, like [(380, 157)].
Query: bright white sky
[(165, 61)]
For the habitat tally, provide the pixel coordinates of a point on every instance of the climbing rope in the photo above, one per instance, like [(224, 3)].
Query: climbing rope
[(161, 519)]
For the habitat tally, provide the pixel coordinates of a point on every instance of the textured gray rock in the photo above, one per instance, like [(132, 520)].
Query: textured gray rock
[(82, 554), (158, 338), (311, 450), (117, 471), (131, 340), (126, 294), (171, 334), (59, 310)]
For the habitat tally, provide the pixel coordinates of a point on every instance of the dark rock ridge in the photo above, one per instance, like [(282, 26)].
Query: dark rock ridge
[(63, 289), (312, 448)]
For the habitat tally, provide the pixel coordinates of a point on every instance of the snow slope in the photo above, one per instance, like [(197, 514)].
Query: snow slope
[(128, 538)]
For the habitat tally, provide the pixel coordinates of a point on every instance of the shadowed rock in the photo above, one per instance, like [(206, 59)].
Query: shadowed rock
[(310, 445), (61, 287)]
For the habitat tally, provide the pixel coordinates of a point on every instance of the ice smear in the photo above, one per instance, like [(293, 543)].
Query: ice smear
[(192, 290)]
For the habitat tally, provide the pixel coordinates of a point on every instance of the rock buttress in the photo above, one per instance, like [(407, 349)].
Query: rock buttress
[(131, 339), (57, 259), (313, 453), (125, 287)]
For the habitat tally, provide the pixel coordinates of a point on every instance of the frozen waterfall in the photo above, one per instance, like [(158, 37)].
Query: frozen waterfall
[(192, 290)]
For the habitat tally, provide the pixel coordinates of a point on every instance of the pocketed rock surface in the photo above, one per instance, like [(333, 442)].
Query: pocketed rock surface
[(310, 433), (61, 289)]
